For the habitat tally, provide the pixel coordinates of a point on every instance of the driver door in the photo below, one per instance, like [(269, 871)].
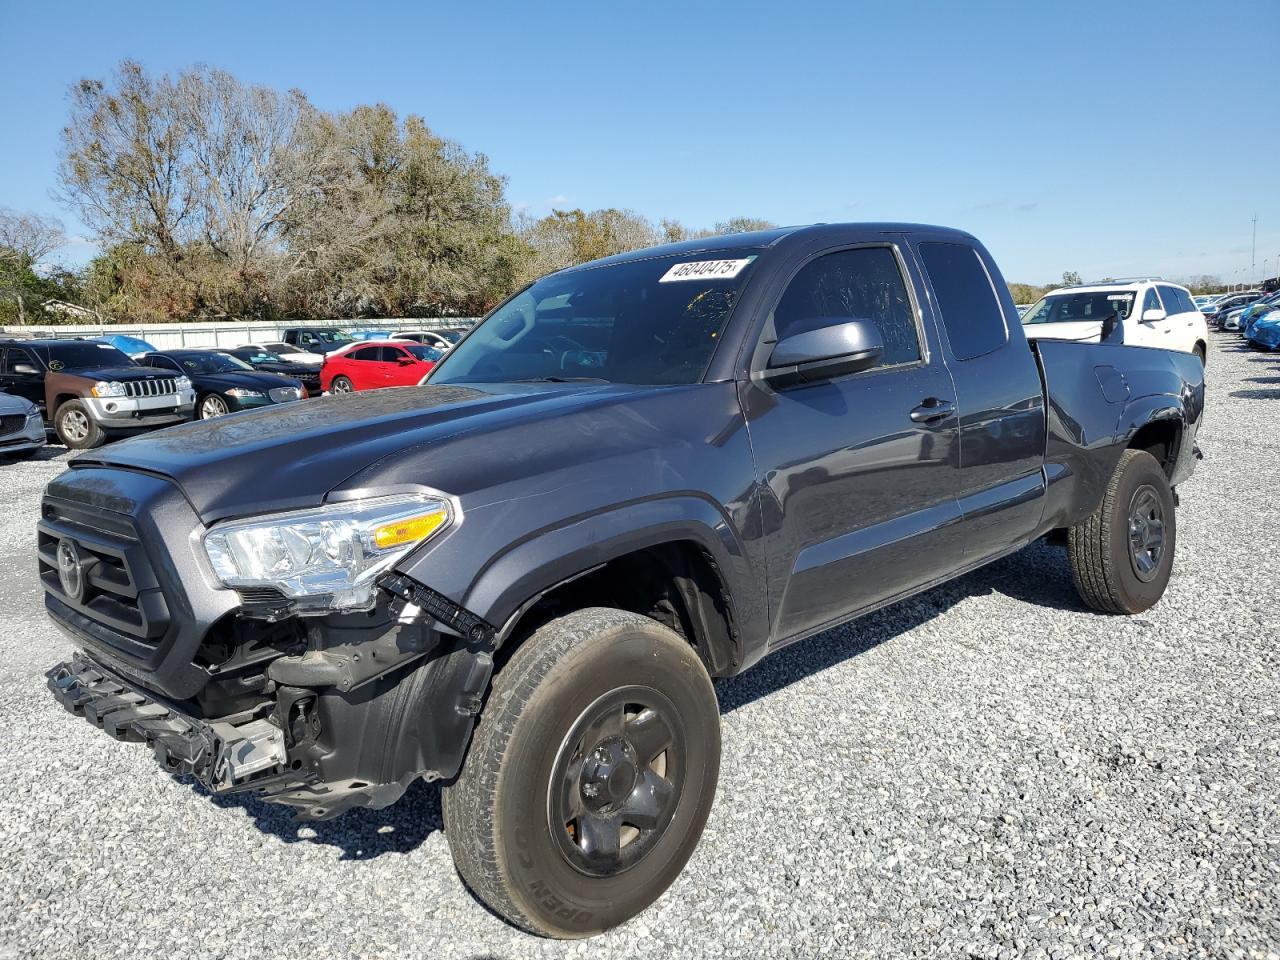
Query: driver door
[(859, 473)]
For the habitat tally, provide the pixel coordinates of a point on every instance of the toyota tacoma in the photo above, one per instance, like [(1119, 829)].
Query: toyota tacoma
[(633, 476)]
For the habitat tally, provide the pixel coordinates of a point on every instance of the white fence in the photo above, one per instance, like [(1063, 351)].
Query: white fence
[(172, 336)]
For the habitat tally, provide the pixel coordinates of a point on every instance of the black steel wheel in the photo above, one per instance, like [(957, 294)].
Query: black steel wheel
[(590, 775), (1146, 532), (1122, 554), (617, 780)]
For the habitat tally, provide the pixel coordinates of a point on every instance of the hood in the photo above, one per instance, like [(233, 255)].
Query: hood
[(289, 456), (9, 405), (126, 374), (246, 379), (1073, 330)]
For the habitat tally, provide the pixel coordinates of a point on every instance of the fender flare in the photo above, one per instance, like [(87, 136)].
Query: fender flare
[(512, 581)]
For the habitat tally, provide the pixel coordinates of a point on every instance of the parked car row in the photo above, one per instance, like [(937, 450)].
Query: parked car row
[(1257, 320), (89, 391), (1225, 310)]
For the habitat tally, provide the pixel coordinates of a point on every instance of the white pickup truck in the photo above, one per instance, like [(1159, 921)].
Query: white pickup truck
[(1142, 312)]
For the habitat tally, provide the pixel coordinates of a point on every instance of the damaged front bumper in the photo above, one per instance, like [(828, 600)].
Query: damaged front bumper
[(374, 702), (224, 756)]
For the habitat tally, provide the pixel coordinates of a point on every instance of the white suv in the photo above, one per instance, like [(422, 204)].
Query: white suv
[(1147, 312)]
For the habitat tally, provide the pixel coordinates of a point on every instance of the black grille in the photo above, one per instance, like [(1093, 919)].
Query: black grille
[(12, 423), (120, 598), (151, 388)]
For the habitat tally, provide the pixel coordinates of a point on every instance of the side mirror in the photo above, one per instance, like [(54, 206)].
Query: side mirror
[(1151, 316), (833, 347), (404, 361)]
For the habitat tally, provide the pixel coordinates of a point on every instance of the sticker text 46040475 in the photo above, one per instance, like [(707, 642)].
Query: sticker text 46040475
[(705, 270)]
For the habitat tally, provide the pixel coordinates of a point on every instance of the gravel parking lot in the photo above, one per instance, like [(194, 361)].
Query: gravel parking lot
[(988, 770)]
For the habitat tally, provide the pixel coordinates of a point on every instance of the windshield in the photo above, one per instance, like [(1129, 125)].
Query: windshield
[(453, 336), (423, 352), (210, 363), (651, 321), (259, 356), (1080, 307), (330, 336), (71, 355)]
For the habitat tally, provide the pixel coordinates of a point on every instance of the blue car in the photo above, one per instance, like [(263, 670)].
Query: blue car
[(133, 346), (1257, 309), (370, 335), (1265, 330)]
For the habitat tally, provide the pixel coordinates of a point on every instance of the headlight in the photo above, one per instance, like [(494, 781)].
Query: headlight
[(104, 389), (35, 414), (182, 383), (326, 558), (241, 393)]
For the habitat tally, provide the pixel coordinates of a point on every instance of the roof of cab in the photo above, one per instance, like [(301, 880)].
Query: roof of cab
[(767, 238)]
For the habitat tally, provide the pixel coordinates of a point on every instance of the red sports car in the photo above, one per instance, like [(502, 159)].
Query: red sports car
[(367, 366)]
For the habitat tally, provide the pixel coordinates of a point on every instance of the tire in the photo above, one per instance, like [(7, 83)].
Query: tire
[(342, 385), (522, 846), (1199, 351), (1111, 573), (76, 428), (210, 406)]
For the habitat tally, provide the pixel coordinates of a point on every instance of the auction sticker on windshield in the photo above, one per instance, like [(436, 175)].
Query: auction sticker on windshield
[(705, 270)]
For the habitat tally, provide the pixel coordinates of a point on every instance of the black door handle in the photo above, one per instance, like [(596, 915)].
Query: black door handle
[(933, 409)]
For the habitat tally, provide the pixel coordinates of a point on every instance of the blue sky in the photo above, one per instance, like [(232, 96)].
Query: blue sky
[(1098, 137)]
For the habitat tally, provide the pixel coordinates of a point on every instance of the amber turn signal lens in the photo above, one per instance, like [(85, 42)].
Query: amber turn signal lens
[(409, 530)]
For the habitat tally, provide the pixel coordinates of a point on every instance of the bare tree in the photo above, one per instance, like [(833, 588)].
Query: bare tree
[(245, 168), (28, 238), (122, 165), (743, 225)]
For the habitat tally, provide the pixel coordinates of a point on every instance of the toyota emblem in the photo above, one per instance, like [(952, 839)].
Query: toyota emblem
[(70, 570)]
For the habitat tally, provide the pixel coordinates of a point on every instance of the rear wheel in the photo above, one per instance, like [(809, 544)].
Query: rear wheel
[(341, 385), (1122, 554), (76, 427), (590, 777)]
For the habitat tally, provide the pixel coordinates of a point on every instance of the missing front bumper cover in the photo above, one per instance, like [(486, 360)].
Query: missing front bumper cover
[(224, 757)]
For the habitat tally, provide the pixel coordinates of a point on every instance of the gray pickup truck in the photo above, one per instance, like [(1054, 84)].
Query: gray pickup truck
[(633, 476)]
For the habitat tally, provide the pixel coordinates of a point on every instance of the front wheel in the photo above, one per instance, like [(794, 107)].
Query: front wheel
[(213, 406), (590, 776), (1122, 554), (76, 428)]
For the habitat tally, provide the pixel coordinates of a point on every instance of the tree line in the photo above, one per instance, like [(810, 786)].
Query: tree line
[(209, 198)]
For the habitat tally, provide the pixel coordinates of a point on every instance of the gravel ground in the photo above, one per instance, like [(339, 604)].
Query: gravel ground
[(988, 770)]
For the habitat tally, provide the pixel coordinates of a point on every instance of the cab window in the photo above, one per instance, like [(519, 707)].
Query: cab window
[(966, 299), (860, 284)]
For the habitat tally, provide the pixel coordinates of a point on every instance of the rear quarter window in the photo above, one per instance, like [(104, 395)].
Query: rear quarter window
[(966, 299)]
